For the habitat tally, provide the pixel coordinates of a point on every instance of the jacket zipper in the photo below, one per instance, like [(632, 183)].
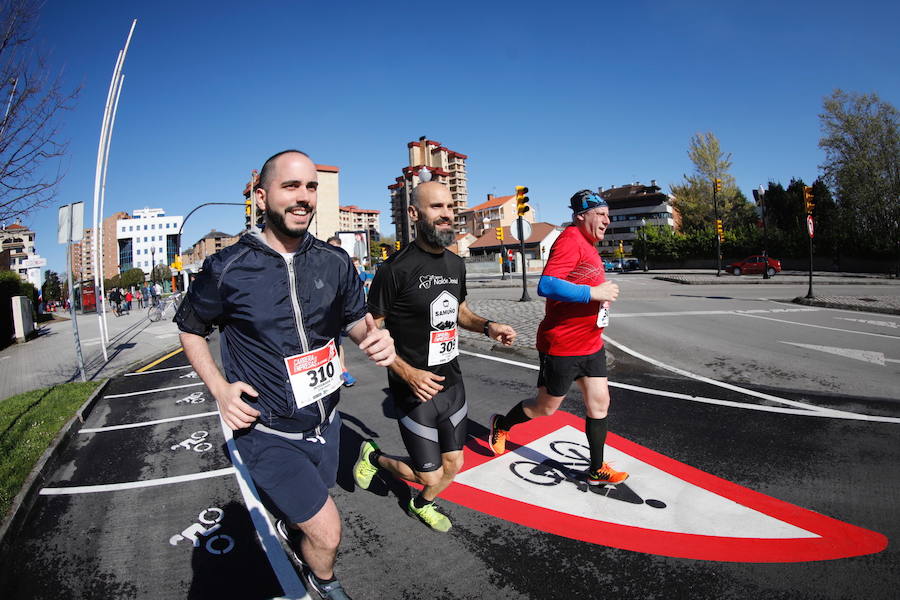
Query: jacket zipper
[(298, 321)]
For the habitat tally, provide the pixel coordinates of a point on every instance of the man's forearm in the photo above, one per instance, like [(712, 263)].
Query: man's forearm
[(197, 351), (469, 320)]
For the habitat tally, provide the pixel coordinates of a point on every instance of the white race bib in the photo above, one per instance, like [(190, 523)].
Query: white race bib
[(603, 315), (442, 347), (314, 374)]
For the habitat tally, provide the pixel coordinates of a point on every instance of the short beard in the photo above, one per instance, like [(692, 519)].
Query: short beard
[(438, 239), (276, 221)]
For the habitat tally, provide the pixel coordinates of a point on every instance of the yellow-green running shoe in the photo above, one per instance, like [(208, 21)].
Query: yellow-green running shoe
[(430, 515), (363, 470)]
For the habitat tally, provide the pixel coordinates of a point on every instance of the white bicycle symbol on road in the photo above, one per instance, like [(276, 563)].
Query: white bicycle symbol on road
[(215, 544), (550, 471), (195, 442)]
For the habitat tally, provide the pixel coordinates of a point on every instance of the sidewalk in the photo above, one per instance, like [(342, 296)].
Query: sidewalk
[(882, 293), (50, 358)]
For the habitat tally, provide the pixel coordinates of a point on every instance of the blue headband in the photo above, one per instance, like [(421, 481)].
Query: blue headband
[(585, 200)]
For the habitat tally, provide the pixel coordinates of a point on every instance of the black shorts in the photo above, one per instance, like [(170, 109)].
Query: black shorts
[(293, 476), (558, 372), (431, 428)]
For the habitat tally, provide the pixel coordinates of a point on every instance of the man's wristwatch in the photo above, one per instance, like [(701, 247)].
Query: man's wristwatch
[(486, 325)]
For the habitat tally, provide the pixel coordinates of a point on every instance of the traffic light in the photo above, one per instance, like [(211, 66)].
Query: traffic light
[(522, 200), (717, 184), (397, 245), (176, 264), (808, 201), (719, 230), (499, 233), (247, 207), (383, 253)]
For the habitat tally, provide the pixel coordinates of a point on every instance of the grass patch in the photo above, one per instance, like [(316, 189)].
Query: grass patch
[(28, 423)]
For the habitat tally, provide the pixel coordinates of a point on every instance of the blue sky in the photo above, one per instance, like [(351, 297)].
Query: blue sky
[(556, 96)]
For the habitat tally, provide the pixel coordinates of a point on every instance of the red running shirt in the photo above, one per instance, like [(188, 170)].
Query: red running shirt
[(570, 328)]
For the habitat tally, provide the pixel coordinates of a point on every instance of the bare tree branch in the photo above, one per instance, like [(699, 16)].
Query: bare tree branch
[(30, 133)]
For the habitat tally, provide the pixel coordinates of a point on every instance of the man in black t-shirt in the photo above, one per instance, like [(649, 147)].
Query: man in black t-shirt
[(420, 295)]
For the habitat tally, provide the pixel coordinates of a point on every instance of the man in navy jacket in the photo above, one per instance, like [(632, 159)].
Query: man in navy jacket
[(281, 300)]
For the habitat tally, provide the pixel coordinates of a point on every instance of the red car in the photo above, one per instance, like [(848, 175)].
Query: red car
[(755, 264)]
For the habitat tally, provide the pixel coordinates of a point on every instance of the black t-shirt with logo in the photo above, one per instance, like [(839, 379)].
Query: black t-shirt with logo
[(419, 294)]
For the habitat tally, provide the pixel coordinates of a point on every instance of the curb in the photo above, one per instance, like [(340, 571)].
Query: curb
[(46, 464), (743, 280), (886, 310)]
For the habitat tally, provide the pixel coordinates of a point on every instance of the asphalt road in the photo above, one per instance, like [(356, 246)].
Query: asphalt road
[(773, 487)]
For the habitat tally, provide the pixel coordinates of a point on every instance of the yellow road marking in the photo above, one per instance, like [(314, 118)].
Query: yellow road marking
[(156, 362)]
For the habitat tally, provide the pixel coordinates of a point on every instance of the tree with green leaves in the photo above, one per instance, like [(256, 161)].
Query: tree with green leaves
[(51, 289), (132, 278), (694, 196), (861, 140), (161, 273)]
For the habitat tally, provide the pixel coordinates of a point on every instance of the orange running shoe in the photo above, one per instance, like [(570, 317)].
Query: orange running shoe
[(497, 437), (606, 476)]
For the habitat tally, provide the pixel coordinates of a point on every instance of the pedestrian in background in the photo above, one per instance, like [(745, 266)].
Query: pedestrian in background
[(348, 379)]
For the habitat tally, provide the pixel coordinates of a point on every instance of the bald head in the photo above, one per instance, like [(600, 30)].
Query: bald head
[(266, 173), (432, 211), (428, 192)]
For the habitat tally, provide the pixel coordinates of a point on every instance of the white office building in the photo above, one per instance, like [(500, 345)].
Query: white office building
[(148, 238)]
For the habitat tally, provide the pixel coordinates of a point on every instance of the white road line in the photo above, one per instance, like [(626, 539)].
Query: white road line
[(265, 531), (891, 324), (701, 313), (801, 409), (870, 356), (722, 384), (502, 360), (158, 370), (892, 337), (166, 389), (130, 485), (146, 423), (757, 407)]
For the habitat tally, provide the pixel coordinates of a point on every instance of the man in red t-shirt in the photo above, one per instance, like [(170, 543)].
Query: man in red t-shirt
[(570, 338)]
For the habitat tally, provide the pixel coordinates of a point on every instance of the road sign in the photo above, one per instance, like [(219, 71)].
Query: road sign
[(665, 508), (810, 226), (526, 229)]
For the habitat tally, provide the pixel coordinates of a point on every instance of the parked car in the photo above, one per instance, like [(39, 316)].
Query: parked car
[(621, 264), (754, 264)]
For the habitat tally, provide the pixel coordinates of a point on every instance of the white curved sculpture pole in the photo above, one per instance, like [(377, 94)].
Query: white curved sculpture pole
[(112, 100)]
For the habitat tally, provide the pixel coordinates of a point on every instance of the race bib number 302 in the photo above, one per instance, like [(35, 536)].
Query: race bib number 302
[(314, 374), (442, 347)]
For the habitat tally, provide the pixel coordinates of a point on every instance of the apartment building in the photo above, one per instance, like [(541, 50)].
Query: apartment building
[(82, 252), (18, 240), (208, 245), (630, 207), (147, 239), (353, 218), (444, 165), (499, 211)]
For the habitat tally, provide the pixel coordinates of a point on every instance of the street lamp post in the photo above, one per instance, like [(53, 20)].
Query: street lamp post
[(644, 241), (760, 196)]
